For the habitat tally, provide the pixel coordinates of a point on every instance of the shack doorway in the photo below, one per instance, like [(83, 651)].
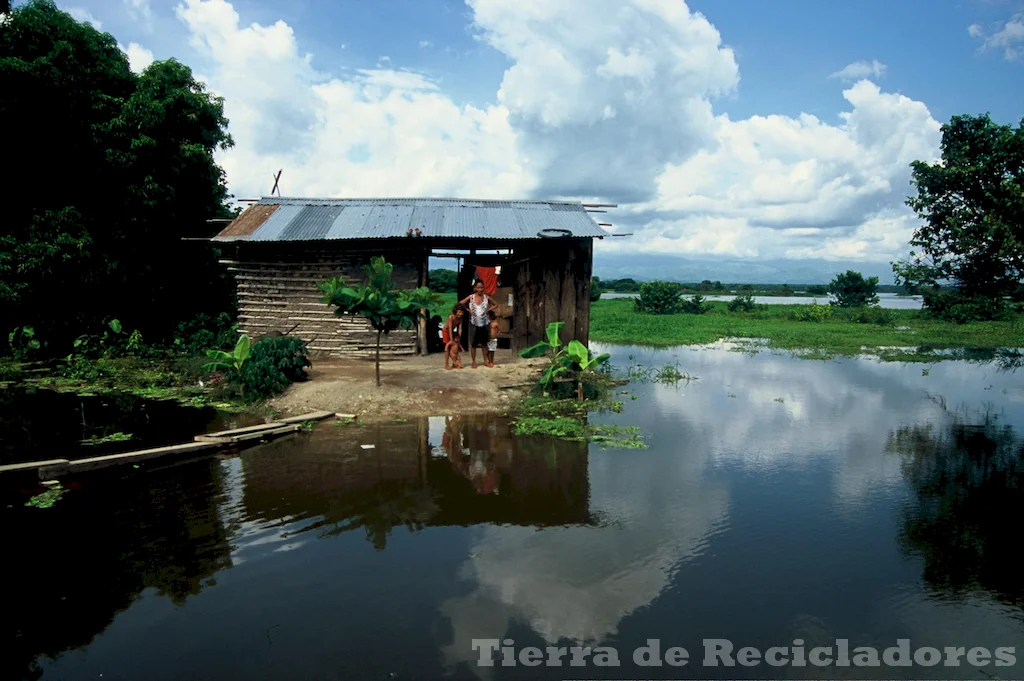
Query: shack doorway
[(498, 271)]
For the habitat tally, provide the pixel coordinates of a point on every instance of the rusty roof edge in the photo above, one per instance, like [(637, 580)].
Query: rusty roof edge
[(246, 222)]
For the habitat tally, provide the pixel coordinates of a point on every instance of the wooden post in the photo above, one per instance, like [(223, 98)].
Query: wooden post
[(584, 272), (568, 273), (421, 331)]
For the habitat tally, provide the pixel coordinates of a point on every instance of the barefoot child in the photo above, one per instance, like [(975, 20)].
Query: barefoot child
[(453, 324), (492, 341), (452, 360)]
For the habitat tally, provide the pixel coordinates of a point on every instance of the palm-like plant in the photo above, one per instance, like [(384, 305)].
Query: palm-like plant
[(230, 361), (386, 307)]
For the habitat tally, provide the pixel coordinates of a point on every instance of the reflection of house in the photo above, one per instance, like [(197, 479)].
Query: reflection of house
[(538, 482)]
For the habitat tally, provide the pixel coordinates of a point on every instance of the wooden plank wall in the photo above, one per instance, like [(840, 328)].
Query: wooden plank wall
[(278, 289), (552, 283)]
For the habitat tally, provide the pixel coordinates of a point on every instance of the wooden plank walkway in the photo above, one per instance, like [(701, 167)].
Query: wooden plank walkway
[(50, 469)]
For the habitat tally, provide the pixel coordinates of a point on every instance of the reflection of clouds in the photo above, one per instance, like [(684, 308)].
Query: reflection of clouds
[(840, 412), (249, 539), (577, 583)]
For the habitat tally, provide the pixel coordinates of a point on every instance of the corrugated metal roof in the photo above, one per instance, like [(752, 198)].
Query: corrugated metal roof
[(248, 221), (310, 219)]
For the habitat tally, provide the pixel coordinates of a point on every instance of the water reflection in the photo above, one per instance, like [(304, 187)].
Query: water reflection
[(380, 477), (42, 424), (77, 566), (779, 499), (968, 482)]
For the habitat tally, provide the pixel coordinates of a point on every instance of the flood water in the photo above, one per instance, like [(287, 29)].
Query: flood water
[(890, 301), (780, 499), (38, 424)]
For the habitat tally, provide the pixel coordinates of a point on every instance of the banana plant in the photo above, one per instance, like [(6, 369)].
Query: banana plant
[(552, 343), (583, 360), (559, 360), (231, 361), (575, 358)]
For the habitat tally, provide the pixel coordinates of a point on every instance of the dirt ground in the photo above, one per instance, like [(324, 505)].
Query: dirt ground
[(410, 386)]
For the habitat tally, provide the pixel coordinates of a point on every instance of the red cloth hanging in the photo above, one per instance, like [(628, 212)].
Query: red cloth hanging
[(488, 275)]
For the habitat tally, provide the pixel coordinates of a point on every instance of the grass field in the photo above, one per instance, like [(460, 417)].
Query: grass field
[(445, 308), (614, 321)]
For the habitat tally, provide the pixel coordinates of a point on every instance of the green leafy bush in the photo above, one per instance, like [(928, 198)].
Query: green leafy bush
[(851, 289), (273, 364), (443, 280), (696, 305), (81, 368), (875, 315), (957, 307), (10, 372), (742, 303), (659, 297), (205, 331), (815, 313), (595, 289), (23, 342)]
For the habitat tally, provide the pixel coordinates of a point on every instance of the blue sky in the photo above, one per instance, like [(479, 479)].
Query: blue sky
[(726, 131)]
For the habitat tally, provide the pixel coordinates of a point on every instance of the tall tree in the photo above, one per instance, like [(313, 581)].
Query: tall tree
[(120, 168), (972, 206)]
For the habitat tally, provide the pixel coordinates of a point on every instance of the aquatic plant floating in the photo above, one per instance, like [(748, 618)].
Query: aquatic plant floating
[(46, 499)]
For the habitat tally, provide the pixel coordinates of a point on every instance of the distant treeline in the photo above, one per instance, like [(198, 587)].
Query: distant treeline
[(628, 285)]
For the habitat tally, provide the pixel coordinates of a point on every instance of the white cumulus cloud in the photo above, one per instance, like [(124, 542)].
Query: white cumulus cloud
[(374, 132), (613, 104), (777, 186), (601, 100), (1009, 37), (138, 56)]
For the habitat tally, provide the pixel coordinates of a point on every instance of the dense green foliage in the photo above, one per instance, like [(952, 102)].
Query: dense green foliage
[(845, 331), (851, 289), (659, 297), (972, 207), (384, 306), (274, 363), (121, 169), (595, 288), (262, 369), (626, 285), (742, 303), (695, 304), (814, 312), (443, 281)]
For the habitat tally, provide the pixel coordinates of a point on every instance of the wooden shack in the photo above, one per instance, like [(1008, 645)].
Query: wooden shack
[(540, 253)]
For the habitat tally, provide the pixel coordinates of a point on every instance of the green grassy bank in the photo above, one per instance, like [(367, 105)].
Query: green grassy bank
[(614, 321)]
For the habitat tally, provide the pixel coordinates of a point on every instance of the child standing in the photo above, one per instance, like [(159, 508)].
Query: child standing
[(452, 358), (492, 341), (453, 324)]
